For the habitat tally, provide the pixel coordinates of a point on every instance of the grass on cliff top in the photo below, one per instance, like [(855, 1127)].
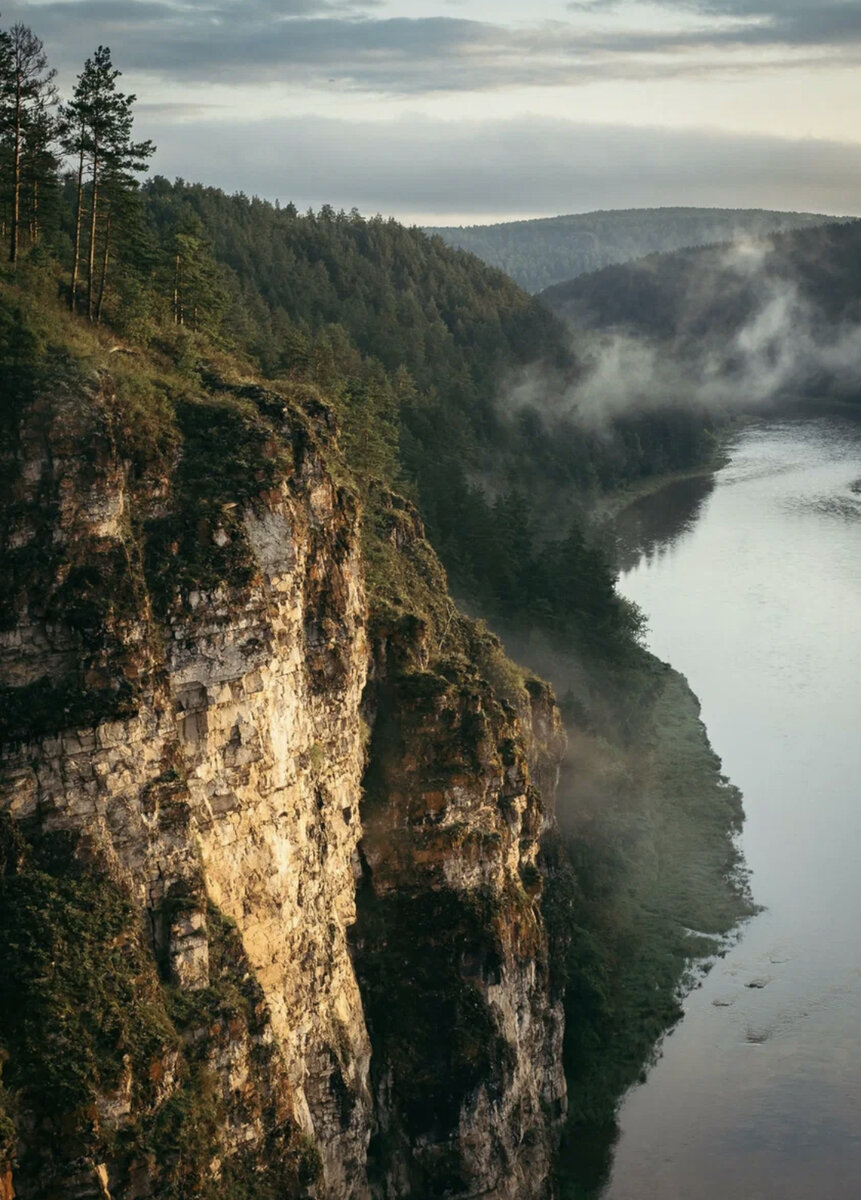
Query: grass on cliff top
[(182, 414), (185, 412), (407, 586)]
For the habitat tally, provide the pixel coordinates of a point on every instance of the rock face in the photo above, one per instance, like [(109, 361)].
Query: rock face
[(305, 906), (450, 947)]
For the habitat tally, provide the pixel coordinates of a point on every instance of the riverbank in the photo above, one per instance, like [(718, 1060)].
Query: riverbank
[(652, 883), (654, 886), (608, 505), (646, 883), (756, 596)]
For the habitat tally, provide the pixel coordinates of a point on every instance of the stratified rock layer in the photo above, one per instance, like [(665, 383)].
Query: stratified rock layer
[(187, 727)]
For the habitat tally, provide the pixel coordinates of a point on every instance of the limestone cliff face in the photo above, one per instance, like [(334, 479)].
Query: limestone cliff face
[(248, 881), (450, 946)]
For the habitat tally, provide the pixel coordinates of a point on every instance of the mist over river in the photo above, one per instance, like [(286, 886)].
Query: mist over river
[(751, 584)]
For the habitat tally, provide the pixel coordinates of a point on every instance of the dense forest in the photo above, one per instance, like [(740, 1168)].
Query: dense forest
[(540, 253), (424, 345), (416, 343), (775, 319), (448, 382), (697, 291)]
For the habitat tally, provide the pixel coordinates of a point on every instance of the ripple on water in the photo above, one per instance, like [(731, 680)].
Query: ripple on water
[(843, 508)]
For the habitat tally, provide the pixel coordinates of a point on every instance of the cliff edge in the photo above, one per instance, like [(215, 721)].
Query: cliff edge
[(271, 815)]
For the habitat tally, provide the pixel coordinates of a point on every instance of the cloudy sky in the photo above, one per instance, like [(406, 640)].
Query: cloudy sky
[(454, 111)]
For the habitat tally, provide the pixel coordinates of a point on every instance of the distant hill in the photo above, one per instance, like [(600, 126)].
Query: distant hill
[(710, 290), (543, 252), (761, 320)]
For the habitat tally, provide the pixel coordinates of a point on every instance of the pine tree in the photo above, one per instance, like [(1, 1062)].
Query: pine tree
[(123, 158), (97, 131), (5, 125), (78, 118), (40, 165), (27, 94), (199, 297)]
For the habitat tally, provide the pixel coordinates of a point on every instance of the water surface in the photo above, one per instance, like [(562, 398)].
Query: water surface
[(752, 588)]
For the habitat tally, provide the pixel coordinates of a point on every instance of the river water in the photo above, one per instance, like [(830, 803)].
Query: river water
[(751, 584)]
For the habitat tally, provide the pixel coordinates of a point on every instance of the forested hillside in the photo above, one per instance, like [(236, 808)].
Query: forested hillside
[(420, 346), (716, 288), (540, 253), (427, 347), (449, 385), (770, 319), (425, 350)]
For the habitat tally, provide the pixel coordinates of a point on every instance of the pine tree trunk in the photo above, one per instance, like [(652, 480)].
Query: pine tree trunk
[(35, 229), (16, 176), (105, 254), (79, 212), (176, 270), (94, 216)]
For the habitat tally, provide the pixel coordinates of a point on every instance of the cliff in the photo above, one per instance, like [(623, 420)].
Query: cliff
[(270, 875)]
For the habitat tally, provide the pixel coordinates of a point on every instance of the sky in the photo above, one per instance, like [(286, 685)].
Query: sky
[(470, 111)]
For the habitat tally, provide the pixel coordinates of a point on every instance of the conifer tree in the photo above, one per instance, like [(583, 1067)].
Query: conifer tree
[(123, 158), (198, 292), (5, 130), (28, 93), (40, 165), (97, 125), (73, 139)]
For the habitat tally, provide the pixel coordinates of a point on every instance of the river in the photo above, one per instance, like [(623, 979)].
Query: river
[(751, 584)]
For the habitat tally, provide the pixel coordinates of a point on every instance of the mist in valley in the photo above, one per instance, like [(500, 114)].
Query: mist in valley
[(741, 335)]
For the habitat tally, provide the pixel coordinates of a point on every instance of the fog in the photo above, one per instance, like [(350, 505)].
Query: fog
[(783, 349)]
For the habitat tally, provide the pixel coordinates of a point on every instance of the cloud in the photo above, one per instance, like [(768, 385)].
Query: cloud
[(174, 111), (758, 23), (245, 41), (321, 41), (423, 169)]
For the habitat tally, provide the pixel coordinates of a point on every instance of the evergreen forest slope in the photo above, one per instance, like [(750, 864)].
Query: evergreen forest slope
[(774, 319), (428, 352), (452, 390), (543, 252)]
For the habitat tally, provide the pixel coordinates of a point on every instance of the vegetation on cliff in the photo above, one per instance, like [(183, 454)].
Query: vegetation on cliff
[(106, 1061), (168, 470), (413, 342), (216, 320), (221, 429)]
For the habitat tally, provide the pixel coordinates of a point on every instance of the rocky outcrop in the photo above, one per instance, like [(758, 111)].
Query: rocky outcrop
[(197, 774), (450, 945)]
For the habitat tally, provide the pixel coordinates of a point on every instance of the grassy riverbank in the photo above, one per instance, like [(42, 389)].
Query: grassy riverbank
[(645, 879)]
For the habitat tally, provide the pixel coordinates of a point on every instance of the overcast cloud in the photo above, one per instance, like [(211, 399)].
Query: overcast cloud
[(318, 40), (363, 101), (419, 169)]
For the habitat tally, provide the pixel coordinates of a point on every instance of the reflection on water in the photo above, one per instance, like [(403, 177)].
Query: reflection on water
[(753, 590), (652, 524)]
